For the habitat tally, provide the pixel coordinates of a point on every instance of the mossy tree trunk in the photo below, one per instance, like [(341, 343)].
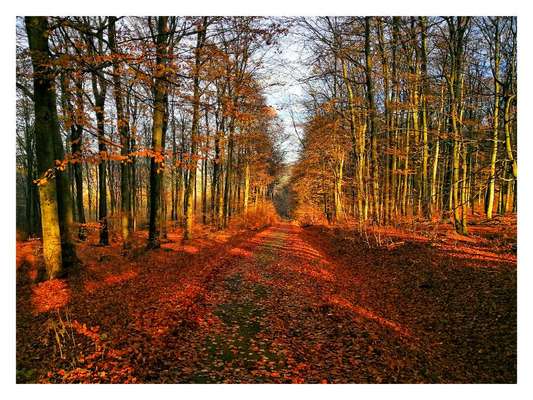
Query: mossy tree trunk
[(54, 189)]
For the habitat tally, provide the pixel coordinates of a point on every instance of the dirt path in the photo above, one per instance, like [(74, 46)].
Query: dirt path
[(276, 306), (279, 315)]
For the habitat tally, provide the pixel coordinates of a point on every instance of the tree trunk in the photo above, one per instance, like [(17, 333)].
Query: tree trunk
[(495, 124), (191, 185), (124, 133), (372, 120), (156, 161), (47, 135)]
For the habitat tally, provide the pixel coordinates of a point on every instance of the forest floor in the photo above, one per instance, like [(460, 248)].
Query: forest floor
[(280, 304)]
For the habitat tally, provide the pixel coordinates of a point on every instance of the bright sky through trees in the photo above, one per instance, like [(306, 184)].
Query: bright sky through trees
[(246, 199)]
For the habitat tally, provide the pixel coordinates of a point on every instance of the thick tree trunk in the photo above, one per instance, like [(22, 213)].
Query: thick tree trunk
[(156, 161), (53, 186)]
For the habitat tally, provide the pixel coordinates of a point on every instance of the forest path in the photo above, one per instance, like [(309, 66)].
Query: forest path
[(280, 304), (280, 314)]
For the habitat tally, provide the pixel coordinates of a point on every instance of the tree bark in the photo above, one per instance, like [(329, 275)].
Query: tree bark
[(156, 161)]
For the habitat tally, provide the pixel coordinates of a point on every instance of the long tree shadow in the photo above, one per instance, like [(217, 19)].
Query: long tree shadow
[(458, 296), (128, 301)]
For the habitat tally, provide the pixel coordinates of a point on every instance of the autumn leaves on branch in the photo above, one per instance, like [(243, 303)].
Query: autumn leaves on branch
[(163, 121), (405, 119), (148, 102)]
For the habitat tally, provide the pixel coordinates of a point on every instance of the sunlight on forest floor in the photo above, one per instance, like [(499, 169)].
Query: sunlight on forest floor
[(282, 304)]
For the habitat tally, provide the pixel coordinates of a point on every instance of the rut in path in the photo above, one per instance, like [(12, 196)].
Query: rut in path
[(280, 316)]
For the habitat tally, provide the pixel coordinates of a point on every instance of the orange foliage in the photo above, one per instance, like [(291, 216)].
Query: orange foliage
[(282, 304), (50, 295)]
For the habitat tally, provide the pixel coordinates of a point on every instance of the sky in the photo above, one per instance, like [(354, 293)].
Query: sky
[(284, 91), (283, 72)]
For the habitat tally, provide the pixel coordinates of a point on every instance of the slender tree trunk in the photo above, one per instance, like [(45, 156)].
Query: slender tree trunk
[(124, 133), (495, 125), (457, 28), (426, 198), (191, 186), (246, 187), (102, 170), (372, 120)]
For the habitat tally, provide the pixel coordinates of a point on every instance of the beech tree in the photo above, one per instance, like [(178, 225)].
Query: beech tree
[(163, 122), (419, 96), (163, 119), (54, 189), (156, 161)]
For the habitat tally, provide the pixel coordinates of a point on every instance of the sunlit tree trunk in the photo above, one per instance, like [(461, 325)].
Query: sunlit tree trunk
[(338, 173), (77, 143), (205, 211), (191, 186), (52, 185), (457, 28), (426, 199), (495, 121), (507, 126), (246, 187), (124, 133), (227, 181), (99, 87), (433, 201), (372, 122)]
